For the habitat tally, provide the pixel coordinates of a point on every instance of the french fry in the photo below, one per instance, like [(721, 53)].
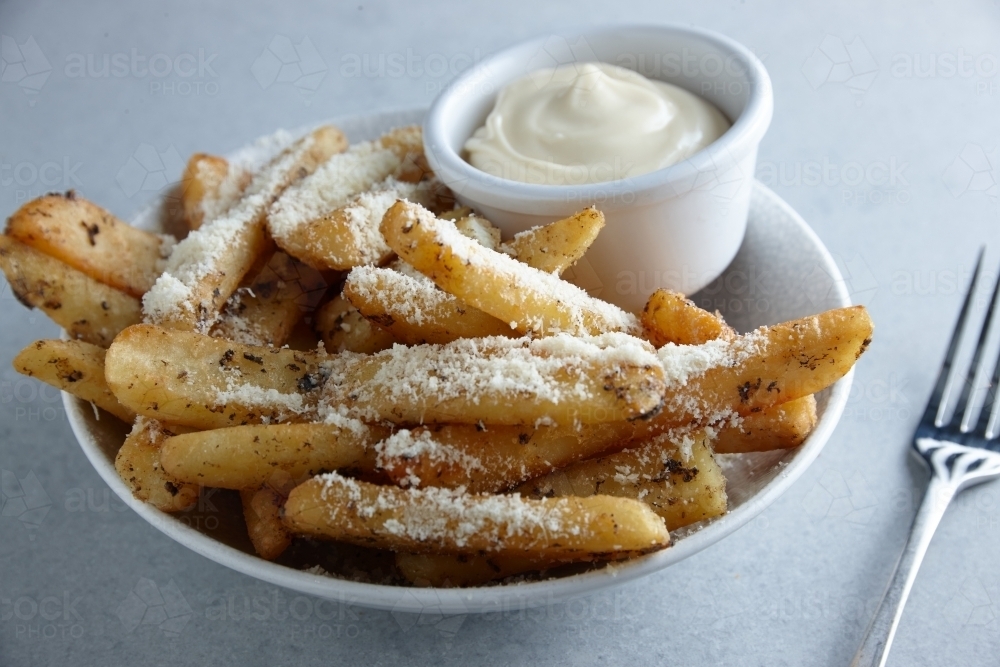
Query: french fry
[(503, 381), (800, 357), (444, 521), (683, 489), (671, 318), (262, 514), (206, 268), (344, 329), (555, 247), (528, 299), (245, 457), (479, 229), (330, 220), (764, 368), (266, 310), (491, 458), (782, 427), (210, 186), (205, 383), (138, 464), (75, 367), (87, 309), (416, 312), (90, 239)]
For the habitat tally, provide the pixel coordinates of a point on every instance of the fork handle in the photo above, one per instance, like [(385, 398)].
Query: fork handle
[(874, 649)]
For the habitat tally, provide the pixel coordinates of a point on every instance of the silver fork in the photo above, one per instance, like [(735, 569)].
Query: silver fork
[(959, 455)]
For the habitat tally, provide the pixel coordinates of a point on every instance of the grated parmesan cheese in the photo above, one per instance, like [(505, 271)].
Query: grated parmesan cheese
[(411, 298), (452, 516), (585, 313), (198, 255), (336, 415), (332, 186), (404, 445), (549, 369)]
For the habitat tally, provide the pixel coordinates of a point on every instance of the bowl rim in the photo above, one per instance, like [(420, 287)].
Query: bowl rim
[(497, 597), (725, 152)]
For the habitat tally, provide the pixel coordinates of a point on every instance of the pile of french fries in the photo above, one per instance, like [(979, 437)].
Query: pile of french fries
[(366, 363)]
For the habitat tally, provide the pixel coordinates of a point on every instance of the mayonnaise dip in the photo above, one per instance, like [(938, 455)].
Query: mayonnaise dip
[(590, 123)]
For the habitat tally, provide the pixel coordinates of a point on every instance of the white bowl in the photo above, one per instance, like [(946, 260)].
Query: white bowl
[(677, 227), (798, 278)]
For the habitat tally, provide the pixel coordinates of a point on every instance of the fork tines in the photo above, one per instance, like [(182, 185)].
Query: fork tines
[(959, 424)]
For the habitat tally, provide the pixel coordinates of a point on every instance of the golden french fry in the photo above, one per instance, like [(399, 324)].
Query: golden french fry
[(675, 474), (206, 268), (90, 239), (555, 247), (138, 464), (782, 427), (330, 220), (202, 382), (243, 457), (445, 521), (210, 185), (75, 367), (671, 318), (87, 309), (344, 329), (764, 368), (800, 357), (528, 299), (491, 458), (503, 381), (262, 514), (479, 229), (416, 312), (265, 311)]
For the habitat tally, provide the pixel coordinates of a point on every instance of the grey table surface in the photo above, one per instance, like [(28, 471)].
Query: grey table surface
[(884, 138)]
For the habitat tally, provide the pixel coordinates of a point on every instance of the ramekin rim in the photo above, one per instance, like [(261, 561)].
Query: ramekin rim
[(743, 136)]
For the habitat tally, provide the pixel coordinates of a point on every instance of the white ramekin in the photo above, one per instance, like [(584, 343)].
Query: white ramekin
[(677, 227)]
